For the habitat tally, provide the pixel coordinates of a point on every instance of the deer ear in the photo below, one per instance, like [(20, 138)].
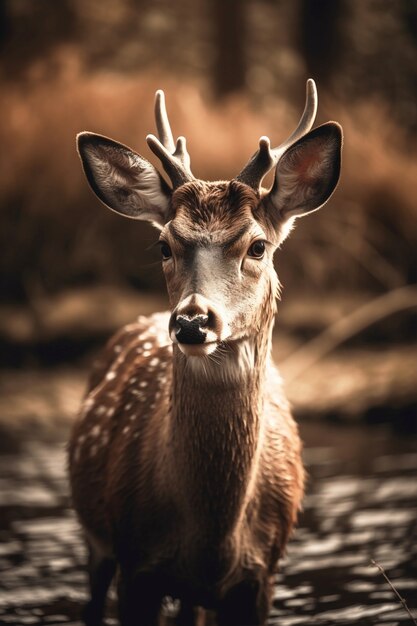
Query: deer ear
[(122, 179), (308, 172)]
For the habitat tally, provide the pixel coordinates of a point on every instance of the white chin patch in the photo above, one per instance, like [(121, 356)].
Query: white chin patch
[(197, 349)]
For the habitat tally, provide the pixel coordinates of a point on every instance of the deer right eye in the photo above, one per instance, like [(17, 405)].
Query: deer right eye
[(165, 251), (257, 249)]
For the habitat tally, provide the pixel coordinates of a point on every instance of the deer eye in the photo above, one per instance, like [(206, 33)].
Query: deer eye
[(257, 249), (165, 250)]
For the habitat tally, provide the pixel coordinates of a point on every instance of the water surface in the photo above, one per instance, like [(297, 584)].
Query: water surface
[(361, 504)]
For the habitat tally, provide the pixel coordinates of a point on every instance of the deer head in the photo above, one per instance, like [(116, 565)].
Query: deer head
[(218, 238)]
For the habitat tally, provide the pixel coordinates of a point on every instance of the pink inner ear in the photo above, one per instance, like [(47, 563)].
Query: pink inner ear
[(307, 163)]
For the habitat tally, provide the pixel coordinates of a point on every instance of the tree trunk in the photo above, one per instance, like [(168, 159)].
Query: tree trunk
[(320, 37), (229, 22)]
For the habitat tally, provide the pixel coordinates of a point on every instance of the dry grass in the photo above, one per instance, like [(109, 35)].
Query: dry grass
[(54, 233)]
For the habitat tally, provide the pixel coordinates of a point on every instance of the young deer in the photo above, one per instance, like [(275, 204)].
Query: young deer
[(185, 462)]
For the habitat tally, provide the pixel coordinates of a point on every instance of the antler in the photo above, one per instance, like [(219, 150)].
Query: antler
[(174, 157), (266, 158)]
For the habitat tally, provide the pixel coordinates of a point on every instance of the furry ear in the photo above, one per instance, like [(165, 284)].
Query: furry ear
[(308, 172), (122, 179)]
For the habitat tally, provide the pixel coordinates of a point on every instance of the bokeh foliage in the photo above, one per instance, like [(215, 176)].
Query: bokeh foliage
[(232, 72)]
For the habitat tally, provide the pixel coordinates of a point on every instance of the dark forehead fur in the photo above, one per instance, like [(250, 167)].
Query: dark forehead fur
[(207, 203)]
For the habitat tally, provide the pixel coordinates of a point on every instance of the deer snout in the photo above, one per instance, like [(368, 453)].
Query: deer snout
[(196, 321), (191, 329)]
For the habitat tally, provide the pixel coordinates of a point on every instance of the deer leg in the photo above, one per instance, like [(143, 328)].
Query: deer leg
[(139, 600), (100, 571), (246, 604)]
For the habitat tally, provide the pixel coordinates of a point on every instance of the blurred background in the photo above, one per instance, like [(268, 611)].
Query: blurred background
[(72, 272)]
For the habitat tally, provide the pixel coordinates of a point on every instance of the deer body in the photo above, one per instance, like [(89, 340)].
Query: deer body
[(185, 463)]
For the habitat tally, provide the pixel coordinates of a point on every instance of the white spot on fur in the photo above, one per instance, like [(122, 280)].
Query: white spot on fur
[(147, 345), (125, 430), (88, 403), (100, 410), (143, 383), (110, 375), (95, 430)]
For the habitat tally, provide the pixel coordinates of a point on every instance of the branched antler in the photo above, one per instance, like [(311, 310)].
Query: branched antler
[(266, 157), (174, 157)]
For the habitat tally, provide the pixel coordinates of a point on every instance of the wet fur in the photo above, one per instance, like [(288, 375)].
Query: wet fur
[(188, 473), (239, 499)]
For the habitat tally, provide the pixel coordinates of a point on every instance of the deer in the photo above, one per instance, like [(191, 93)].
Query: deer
[(185, 461)]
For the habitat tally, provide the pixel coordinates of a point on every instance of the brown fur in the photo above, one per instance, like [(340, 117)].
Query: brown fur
[(185, 463), (191, 479)]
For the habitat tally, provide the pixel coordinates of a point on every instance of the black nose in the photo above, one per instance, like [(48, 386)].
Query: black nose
[(191, 329)]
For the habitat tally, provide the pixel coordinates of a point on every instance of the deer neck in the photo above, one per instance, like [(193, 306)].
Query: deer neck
[(217, 406)]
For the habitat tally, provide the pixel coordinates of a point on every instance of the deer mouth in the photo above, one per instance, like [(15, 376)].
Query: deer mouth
[(201, 345), (197, 349)]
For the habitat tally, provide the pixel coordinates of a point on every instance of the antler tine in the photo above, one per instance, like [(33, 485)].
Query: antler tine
[(162, 122), (266, 158), (258, 165), (306, 120), (174, 157)]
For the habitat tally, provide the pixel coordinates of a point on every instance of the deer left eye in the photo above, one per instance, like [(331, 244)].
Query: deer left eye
[(257, 249), (165, 250)]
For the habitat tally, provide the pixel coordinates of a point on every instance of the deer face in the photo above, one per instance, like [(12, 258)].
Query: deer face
[(217, 239), (217, 260)]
